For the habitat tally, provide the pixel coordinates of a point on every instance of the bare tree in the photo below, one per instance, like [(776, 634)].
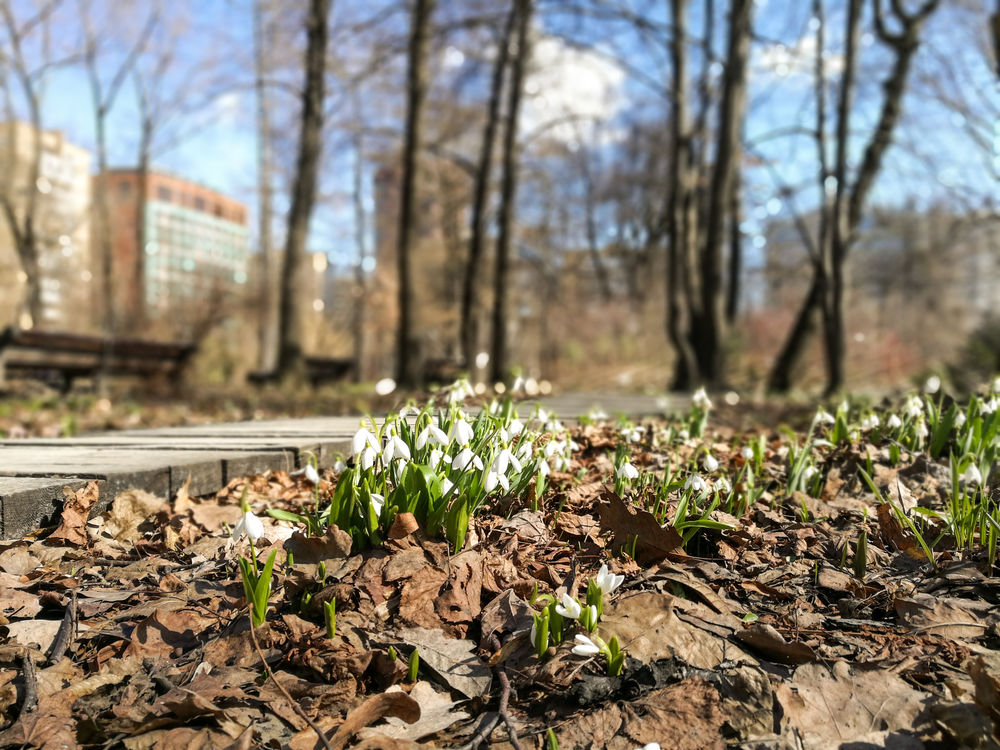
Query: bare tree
[(407, 354), (291, 357), (469, 314), (826, 292), (22, 216), (267, 332), (508, 194)]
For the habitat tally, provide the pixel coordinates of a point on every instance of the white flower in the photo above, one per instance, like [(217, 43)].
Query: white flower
[(466, 459), (554, 446), (250, 526), (971, 475), (570, 607), (361, 439), (995, 385), (633, 434), (597, 415), (367, 457), (516, 427), (683, 434), (922, 430), (504, 460), (560, 463), (517, 385), (701, 400), (431, 434), (809, 473), (628, 471), (398, 467), (960, 419), (446, 485), (339, 465), (991, 406), (710, 463), (747, 452), (722, 485), (696, 482), (607, 581), (584, 646), (933, 385), (894, 422), (824, 417), (913, 407), (525, 450), (462, 432), (870, 422), (377, 502), (493, 479), (541, 415), (543, 468), (395, 447)]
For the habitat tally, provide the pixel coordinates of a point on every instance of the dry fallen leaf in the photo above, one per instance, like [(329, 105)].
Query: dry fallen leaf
[(629, 524), (77, 505)]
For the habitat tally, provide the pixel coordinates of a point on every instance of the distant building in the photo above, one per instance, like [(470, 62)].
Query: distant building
[(187, 255), (62, 226)]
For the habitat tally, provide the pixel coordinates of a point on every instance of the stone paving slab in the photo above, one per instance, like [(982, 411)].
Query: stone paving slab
[(34, 472)]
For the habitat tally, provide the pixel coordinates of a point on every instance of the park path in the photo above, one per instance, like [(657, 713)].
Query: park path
[(33, 472)]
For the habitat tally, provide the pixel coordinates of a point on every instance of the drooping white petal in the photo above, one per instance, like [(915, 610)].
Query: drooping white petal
[(569, 608), (710, 463), (250, 526), (628, 471), (377, 502), (584, 646)]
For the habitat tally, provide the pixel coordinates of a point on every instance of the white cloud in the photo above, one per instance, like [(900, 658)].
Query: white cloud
[(568, 90), (795, 61)]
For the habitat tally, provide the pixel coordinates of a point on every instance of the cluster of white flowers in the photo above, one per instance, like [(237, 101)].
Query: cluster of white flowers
[(913, 407), (823, 417), (701, 400), (632, 434), (870, 422)]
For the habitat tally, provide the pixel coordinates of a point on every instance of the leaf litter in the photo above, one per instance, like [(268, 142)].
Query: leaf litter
[(762, 634)]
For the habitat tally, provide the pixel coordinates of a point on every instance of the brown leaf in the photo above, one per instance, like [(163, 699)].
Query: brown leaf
[(987, 689), (416, 600), (773, 645), (333, 545), (77, 505), (374, 708), (163, 631), (437, 713), (129, 510), (946, 617), (628, 523), (453, 659), (403, 525), (460, 601), (893, 530), (18, 561)]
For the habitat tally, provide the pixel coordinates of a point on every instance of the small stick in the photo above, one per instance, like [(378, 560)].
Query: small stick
[(30, 685), (64, 636), (298, 709)]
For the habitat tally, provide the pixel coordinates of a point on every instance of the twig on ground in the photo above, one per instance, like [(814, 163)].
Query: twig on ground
[(66, 632), (298, 709), (30, 702), (502, 713)]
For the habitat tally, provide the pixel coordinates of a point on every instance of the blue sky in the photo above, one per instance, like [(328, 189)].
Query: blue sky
[(219, 150)]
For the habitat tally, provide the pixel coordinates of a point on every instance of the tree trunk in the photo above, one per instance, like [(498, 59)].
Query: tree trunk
[(735, 251), (783, 370), (291, 357), (360, 273), (469, 317), (709, 347), (679, 240), (407, 353), (266, 332), (508, 195), (137, 313)]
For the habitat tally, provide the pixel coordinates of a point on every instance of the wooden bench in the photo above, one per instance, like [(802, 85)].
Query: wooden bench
[(60, 358), (318, 370)]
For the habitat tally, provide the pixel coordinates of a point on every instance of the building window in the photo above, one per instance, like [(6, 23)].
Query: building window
[(124, 188), (199, 203), (163, 193)]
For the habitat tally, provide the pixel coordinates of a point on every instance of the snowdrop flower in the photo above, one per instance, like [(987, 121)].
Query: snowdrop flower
[(460, 390), (504, 460), (747, 452), (395, 447), (809, 473), (584, 646), (543, 468), (570, 607), (633, 434), (696, 482), (701, 400), (597, 415), (922, 430), (362, 439), (367, 458), (607, 581), (517, 385), (541, 415), (995, 385), (462, 432), (309, 472), (525, 450), (554, 425), (465, 460), (628, 471), (250, 526), (446, 485), (824, 417), (516, 427), (870, 422), (722, 485), (560, 463), (710, 463), (398, 467), (971, 475), (933, 385), (377, 502), (960, 419), (435, 458), (894, 422), (683, 434), (493, 479), (573, 445), (913, 407), (433, 435), (339, 465), (554, 446), (991, 406)]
